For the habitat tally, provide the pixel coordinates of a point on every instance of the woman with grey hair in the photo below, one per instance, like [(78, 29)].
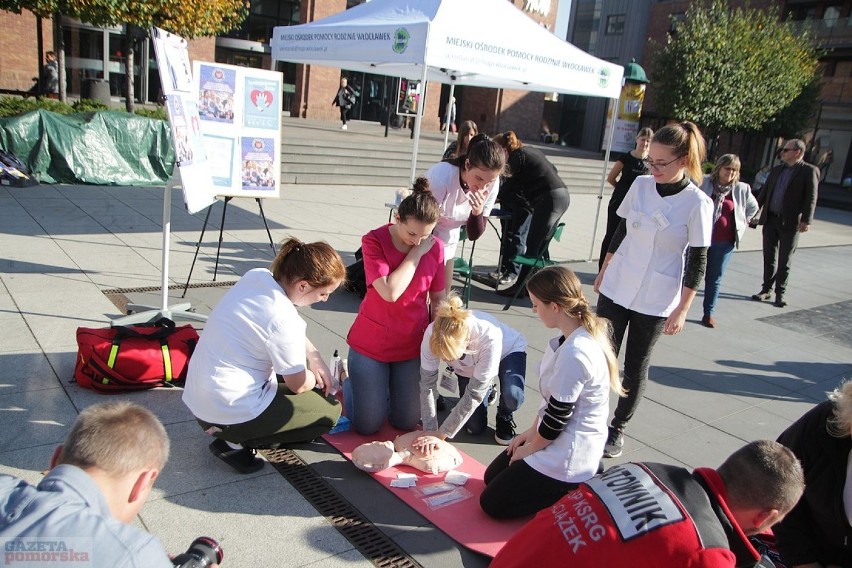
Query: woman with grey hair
[(817, 531), (734, 205)]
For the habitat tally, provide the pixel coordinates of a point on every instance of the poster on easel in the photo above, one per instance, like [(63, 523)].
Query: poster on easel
[(240, 112), (191, 160)]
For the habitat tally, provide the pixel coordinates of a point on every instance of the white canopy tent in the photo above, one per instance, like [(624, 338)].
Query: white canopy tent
[(482, 43)]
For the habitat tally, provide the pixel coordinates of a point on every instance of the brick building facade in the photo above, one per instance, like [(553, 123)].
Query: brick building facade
[(20, 60), (309, 90)]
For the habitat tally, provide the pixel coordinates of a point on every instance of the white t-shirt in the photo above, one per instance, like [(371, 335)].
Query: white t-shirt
[(490, 341), (252, 334), (646, 272), (455, 208), (575, 372)]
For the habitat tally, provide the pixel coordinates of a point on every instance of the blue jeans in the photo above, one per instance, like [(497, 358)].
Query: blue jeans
[(377, 390), (511, 374), (718, 257)]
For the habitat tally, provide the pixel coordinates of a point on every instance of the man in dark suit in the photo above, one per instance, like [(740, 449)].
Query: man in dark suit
[(787, 203)]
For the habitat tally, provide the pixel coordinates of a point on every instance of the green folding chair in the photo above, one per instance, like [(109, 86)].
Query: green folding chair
[(464, 268), (538, 262)]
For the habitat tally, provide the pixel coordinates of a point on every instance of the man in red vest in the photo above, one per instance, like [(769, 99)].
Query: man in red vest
[(655, 515)]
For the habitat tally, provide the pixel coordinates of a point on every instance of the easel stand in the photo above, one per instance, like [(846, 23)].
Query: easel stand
[(145, 314), (219, 246)]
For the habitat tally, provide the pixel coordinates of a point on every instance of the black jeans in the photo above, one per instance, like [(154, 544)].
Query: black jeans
[(518, 490), (781, 241), (542, 214), (344, 114), (645, 330)]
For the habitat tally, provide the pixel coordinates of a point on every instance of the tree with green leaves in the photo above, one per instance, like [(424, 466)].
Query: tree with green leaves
[(187, 18), (730, 68), (799, 116)]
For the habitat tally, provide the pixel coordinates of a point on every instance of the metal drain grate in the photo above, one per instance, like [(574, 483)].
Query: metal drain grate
[(370, 541), (172, 287)]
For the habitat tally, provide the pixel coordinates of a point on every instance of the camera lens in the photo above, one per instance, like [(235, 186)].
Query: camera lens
[(203, 552)]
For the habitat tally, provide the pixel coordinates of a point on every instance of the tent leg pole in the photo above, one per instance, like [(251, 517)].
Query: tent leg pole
[(447, 116), (418, 123), (603, 178)]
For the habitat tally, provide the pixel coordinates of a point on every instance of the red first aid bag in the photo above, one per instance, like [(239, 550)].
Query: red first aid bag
[(120, 359)]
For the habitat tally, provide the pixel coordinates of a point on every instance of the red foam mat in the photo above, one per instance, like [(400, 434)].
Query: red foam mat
[(463, 521)]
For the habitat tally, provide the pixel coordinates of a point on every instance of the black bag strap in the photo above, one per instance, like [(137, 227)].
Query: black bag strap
[(166, 328)]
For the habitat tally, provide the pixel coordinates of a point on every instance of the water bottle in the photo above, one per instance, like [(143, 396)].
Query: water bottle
[(336, 366)]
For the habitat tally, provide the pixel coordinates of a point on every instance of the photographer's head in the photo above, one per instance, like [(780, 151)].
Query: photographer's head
[(123, 447)]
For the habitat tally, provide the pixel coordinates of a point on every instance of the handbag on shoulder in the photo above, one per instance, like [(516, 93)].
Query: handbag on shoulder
[(128, 358)]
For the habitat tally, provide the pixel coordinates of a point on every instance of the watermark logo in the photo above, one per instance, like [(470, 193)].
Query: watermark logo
[(603, 77), (35, 552), (400, 40)]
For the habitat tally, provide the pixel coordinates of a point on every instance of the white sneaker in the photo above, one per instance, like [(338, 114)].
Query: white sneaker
[(343, 127)]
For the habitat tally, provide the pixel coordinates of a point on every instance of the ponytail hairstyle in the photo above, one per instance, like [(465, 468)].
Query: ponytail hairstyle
[(686, 140), (508, 141), (450, 330), (420, 204), (316, 263), (558, 285)]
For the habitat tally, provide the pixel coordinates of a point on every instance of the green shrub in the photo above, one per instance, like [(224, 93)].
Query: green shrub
[(707, 167), (158, 113), (88, 105), (13, 106)]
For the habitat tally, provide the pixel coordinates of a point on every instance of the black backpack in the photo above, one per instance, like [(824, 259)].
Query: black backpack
[(356, 278)]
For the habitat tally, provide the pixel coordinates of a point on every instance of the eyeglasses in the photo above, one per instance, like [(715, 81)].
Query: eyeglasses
[(659, 166)]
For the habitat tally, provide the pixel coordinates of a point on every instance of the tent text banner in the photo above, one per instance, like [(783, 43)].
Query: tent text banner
[(399, 37)]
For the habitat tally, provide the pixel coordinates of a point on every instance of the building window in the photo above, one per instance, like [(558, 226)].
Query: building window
[(675, 18), (615, 24)]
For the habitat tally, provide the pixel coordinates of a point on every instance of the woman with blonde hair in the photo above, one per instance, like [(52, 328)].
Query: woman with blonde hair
[(255, 380), (817, 532), (563, 446), (655, 261), (481, 350), (733, 207)]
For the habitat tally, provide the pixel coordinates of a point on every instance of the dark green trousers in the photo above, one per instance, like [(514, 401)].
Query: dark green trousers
[(290, 418)]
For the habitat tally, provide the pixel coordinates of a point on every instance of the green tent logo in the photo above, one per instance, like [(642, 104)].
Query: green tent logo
[(400, 40), (603, 77)]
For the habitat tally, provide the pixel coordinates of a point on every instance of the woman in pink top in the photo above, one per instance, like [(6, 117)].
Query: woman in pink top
[(403, 263)]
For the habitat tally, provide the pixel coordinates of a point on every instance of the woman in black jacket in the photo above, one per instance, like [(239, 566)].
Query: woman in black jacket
[(817, 533), (537, 199), (345, 99)]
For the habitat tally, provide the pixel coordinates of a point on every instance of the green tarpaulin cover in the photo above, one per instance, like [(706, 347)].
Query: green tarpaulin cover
[(101, 148)]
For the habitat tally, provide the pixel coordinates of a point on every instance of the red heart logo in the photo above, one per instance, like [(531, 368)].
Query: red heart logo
[(261, 99)]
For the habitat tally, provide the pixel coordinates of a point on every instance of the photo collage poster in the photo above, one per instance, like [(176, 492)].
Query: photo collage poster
[(191, 160), (240, 112)]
